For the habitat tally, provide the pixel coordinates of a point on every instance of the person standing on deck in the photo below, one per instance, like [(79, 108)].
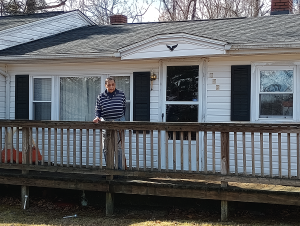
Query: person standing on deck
[(111, 106)]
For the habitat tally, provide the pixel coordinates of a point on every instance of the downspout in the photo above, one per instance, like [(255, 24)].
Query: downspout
[(7, 89)]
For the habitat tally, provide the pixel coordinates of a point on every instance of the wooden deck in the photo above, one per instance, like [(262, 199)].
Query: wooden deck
[(245, 162)]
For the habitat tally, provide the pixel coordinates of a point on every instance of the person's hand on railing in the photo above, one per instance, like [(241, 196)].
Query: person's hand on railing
[(96, 120)]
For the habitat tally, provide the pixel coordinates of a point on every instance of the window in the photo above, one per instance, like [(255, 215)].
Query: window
[(42, 98), (78, 97), (123, 83), (71, 98), (182, 95), (276, 88)]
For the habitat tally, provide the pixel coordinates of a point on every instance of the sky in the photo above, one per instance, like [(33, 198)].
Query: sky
[(152, 14)]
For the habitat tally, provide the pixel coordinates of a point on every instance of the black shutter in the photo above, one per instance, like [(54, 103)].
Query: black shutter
[(22, 97), (240, 92), (141, 96)]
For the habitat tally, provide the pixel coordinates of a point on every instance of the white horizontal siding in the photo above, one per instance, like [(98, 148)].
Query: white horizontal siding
[(2, 97)]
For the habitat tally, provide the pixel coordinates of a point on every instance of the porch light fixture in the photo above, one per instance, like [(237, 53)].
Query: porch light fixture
[(152, 78)]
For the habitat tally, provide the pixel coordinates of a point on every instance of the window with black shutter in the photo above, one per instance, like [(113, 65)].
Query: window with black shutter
[(240, 92), (22, 97)]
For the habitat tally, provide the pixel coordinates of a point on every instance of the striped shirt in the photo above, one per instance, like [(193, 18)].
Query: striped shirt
[(110, 106)]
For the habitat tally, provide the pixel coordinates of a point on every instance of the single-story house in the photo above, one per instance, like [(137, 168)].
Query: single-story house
[(221, 70)]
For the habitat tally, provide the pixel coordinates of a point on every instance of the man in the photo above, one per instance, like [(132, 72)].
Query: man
[(111, 106)]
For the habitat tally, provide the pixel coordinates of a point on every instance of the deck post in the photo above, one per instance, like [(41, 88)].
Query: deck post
[(110, 145), (109, 204), (224, 171), (25, 160)]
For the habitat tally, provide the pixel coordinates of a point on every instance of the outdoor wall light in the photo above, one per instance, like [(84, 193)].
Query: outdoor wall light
[(152, 78)]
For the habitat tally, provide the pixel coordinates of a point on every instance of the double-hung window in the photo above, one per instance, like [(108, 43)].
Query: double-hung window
[(276, 92), (42, 96)]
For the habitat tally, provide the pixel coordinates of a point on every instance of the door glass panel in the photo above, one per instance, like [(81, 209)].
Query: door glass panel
[(182, 113), (182, 83)]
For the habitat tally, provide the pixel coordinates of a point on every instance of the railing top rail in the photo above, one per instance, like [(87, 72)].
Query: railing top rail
[(167, 126)]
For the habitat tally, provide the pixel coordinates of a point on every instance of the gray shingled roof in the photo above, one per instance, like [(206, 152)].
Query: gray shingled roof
[(7, 22), (110, 38)]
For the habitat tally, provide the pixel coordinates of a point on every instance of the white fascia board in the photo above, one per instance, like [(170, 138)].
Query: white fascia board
[(107, 55), (275, 45), (42, 28)]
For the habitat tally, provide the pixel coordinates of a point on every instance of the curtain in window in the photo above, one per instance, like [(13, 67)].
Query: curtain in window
[(78, 98)]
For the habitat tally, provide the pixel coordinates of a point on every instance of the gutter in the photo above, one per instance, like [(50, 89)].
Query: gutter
[(7, 91)]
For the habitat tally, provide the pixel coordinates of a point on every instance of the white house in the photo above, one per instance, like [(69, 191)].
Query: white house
[(236, 69)]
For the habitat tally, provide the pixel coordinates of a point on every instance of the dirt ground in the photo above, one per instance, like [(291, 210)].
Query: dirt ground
[(50, 206)]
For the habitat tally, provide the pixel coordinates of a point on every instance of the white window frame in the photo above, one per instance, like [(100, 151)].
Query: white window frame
[(255, 91), (31, 95)]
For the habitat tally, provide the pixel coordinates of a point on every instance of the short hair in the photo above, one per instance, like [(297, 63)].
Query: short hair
[(109, 79)]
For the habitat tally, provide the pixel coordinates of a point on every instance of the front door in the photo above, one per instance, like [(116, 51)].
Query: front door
[(182, 103)]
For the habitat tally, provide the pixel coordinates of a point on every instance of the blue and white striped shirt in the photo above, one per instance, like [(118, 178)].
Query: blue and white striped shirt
[(110, 106)]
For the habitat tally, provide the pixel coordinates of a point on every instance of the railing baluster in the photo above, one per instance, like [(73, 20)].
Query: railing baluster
[(49, 146), (167, 150), (224, 153), (80, 148), (262, 154), (1, 160), (253, 154), (270, 155), (55, 147), (289, 154), (11, 145), (137, 150), (94, 148), (174, 151), (30, 146), (190, 150), (298, 156), (213, 137), (17, 143), (205, 151), (5, 145), (159, 150), (116, 149), (36, 145), (130, 149), (279, 155), (235, 154), (151, 141), (144, 149), (74, 148), (181, 150), (61, 147), (124, 166), (43, 146), (68, 147), (244, 154), (101, 148), (197, 151), (87, 162)]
